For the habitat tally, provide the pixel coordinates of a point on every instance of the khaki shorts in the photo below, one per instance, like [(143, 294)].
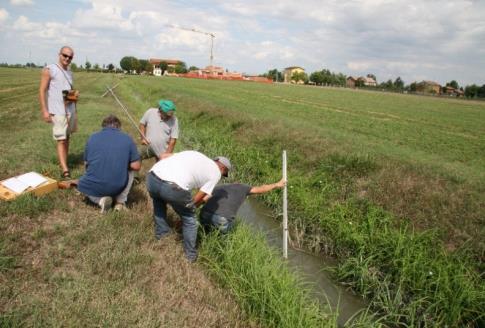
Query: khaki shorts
[(61, 130)]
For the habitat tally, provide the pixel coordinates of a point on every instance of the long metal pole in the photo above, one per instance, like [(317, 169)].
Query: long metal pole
[(285, 210), (155, 148)]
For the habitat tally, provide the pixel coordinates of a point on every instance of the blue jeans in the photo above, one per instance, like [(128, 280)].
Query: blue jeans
[(163, 193), (213, 221)]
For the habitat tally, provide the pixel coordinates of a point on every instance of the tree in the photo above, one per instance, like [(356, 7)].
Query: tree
[(471, 91), (193, 68), (274, 75), (129, 63), (87, 65), (111, 67), (481, 92), (96, 67), (146, 66), (398, 84), (143, 65), (412, 87), (387, 85), (452, 84), (73, 67), (299, 77), (180, 68), (372, 76), (163, 67)]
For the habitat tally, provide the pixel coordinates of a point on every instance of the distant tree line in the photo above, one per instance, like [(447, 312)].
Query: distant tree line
[(325, 77), (132, 64)]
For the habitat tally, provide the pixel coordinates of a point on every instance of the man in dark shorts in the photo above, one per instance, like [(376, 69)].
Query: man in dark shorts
[(220, 210)]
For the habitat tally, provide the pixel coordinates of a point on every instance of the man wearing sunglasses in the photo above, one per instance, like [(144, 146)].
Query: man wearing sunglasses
[(56, 80)]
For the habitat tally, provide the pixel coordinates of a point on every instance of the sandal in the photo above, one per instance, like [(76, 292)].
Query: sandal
[(66, 175)]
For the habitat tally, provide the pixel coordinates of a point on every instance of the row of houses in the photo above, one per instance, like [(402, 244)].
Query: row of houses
[(217, 72), (424, 87), (209, 72)]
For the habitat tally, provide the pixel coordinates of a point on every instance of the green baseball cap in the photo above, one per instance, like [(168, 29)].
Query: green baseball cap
[(166, 105)]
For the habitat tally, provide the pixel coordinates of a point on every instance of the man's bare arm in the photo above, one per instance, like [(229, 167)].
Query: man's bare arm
[(144, 141), (267, 188), (199, 198), (44, 84)]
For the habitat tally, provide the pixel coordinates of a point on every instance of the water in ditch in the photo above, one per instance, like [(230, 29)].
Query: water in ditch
[(309, 267)]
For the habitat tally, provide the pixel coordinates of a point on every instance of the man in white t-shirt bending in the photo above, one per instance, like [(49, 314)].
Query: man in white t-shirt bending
[(171, 181)]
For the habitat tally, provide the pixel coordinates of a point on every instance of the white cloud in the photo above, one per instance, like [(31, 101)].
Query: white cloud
[(21, 2), (102, 16), (24, 24), (3, 16)]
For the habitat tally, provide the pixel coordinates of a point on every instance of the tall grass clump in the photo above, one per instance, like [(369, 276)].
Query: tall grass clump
[(260, 281)]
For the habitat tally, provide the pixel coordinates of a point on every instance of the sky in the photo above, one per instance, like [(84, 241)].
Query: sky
[(414, 39)]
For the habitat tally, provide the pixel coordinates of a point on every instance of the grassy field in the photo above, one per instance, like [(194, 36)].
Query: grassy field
[(392, 185), (62, 263)]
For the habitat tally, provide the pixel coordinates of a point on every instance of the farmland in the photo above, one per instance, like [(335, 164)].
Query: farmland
[(391, 185)]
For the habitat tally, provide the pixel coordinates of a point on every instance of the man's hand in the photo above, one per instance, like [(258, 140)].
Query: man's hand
[(46, 116), (281, 183)]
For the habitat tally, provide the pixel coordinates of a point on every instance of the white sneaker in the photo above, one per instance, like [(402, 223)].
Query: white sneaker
[(120, 207), (105, 204)]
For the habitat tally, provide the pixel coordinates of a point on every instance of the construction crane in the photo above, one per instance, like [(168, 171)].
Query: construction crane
[(212, 36)]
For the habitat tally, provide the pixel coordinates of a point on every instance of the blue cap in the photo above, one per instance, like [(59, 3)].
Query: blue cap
[(166, 105)]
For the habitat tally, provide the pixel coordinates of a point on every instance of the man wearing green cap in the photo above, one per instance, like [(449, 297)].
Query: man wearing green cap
[(160, 129)]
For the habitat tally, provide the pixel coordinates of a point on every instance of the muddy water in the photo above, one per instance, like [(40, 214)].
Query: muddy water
[(309, 267)]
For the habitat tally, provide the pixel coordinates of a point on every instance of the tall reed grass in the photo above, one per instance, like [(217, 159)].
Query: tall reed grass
[(261, 282)]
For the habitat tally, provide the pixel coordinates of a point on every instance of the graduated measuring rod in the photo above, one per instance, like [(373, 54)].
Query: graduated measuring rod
[(154, 147)]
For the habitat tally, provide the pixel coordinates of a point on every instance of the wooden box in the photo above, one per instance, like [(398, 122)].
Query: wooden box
[(47, 187)]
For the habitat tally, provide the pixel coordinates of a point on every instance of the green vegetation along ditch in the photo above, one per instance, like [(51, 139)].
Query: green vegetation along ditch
[(409, 276)]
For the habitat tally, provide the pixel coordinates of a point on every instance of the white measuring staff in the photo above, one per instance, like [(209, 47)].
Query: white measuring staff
[(285, 210), (155, 148)]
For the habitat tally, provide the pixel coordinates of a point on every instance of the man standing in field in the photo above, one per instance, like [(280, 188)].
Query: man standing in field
[(56, 80), (220, 210), (110, 157), (160, 129), (171, 181)]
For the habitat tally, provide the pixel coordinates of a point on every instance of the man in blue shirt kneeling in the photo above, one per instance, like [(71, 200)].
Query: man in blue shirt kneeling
[(111, 157)]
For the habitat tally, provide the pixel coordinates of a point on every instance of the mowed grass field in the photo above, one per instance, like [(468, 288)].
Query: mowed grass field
[(391, 185)]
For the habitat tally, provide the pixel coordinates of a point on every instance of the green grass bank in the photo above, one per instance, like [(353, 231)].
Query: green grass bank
[(391, 185)]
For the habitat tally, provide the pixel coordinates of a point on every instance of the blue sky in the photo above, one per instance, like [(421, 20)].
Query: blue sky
[(432, 40)]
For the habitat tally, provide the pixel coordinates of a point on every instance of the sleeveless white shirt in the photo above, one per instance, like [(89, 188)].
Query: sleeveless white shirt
[(57, 83)]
